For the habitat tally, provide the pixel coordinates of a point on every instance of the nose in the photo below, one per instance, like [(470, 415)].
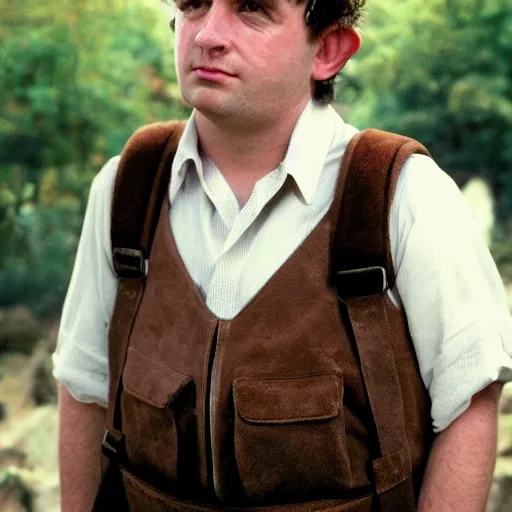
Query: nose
[(214, 34)]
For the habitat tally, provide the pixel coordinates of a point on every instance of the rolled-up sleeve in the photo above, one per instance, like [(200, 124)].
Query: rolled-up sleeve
[(81, 357), (451, 291)]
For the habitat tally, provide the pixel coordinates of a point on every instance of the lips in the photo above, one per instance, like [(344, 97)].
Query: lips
[(212, 70)]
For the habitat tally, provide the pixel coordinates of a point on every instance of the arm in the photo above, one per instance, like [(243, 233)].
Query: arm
[(81, 357), (461, 328), (81, 431), (460, 466)]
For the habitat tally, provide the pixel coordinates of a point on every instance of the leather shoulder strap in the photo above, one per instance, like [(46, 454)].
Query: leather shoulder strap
[(363, 271), (372, 164), (141, 183)]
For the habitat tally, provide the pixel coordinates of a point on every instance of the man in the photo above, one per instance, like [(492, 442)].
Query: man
[(253, 177)]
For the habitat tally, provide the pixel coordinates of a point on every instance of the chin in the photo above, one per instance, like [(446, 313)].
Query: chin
[(211, 107)]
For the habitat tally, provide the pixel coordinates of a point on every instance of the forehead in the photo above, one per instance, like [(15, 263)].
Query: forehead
[(171, 6), (172, 3)]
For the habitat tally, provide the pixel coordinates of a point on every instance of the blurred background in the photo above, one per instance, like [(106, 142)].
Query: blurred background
[(78, 77)]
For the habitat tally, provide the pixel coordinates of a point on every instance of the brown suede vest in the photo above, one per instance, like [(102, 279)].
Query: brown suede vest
[(270, 410)]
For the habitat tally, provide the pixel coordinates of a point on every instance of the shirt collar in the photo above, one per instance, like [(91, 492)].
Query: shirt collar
[(187, 154), (304, 160), (309, 146)]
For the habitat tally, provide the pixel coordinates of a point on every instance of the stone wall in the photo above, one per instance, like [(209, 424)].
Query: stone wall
[(29, 477)]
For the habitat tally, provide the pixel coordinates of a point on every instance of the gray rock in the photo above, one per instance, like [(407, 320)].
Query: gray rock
[(506, 405), (478, 195), (506, 399), (15, 496), (31, 458), (501, 496), (19, 330), (44, 388)]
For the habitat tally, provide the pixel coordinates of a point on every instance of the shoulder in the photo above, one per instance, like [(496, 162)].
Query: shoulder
[(97, 220), (429, 216), (103, 183), (428, 196), (423, 186)]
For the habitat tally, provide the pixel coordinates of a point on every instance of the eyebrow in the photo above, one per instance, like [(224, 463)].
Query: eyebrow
[(269, 5)]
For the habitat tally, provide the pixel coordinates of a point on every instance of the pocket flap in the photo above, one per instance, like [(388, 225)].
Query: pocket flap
[(288, 400), (151, 381)]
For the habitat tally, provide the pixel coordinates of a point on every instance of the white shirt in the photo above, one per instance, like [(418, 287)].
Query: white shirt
[(446, 280)]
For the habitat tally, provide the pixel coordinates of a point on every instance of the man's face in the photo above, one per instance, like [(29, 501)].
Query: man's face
[(247, 60)]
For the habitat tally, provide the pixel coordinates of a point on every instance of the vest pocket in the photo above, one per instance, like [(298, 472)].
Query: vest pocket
[(150, 416), (289, 437)]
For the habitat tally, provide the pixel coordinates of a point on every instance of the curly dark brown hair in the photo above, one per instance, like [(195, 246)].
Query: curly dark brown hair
[(319, 15)]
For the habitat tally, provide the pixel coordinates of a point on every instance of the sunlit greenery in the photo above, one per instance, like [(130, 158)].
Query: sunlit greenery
[(440, 71), (78, 77)]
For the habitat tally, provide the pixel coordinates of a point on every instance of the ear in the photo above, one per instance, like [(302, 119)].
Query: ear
[(335, 47)]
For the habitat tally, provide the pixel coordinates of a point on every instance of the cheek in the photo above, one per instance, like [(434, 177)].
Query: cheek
[(182, 36), (291, 46), (290, 53)]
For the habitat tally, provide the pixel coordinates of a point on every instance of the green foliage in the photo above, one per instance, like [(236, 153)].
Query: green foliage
[(36, 265), (441, 72), (76, 79)]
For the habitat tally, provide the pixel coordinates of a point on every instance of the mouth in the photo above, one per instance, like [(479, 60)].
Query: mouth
[(211, 73)]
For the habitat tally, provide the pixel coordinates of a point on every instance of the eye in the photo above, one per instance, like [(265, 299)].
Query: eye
[(190, 5), (251, 6)]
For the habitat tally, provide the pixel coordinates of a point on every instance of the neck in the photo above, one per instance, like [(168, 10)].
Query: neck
[(244, 153)]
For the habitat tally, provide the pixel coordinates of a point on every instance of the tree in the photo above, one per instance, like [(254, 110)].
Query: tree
[(77, 79), (441, 72)]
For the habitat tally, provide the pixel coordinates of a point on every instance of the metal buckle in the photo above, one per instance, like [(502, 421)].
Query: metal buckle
[(129, 263), (112, 443), (360, 282)]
